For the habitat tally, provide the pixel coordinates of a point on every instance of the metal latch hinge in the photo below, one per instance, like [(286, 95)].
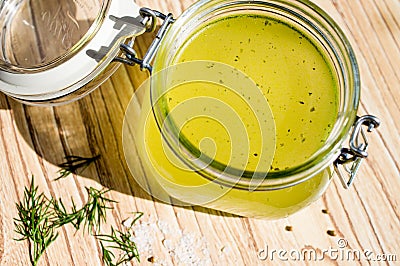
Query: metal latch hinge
[(350, 159), (149, 20)]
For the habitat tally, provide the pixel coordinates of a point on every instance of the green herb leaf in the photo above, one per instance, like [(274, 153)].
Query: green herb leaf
[(121, 242), (39, 217), (91, 215), (35, 222)]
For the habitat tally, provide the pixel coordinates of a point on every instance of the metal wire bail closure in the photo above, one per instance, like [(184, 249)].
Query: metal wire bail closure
[(350, 159), (149, 20)]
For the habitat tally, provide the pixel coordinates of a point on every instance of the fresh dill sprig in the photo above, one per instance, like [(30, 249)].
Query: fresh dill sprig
[(118, 241), (91, 215), (40, 217), (138, 216), (107, 255), (73, 164), (35, 222)]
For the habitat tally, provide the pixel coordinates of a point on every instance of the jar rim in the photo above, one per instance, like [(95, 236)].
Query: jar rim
[(60, 58), (86, 69), (350, 86)]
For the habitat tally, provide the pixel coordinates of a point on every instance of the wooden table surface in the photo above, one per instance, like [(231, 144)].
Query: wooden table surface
[(34, 140)]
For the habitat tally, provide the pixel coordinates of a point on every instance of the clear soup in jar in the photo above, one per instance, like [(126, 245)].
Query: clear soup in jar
[(297, 81)]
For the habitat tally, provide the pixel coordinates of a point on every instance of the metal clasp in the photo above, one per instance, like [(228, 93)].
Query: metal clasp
[(149, 20), (351, 158)]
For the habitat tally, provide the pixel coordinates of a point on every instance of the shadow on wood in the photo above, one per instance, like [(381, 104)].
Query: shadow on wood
[(89, 127)]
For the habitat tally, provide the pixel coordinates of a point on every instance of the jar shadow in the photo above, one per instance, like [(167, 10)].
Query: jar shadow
[(89, 127), (4, 105)]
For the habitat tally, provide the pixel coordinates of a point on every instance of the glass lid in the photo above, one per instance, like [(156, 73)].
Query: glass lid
[(49, 49), (37, 33)]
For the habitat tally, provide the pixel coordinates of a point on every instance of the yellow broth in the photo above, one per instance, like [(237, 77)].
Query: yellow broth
[(298, 82)]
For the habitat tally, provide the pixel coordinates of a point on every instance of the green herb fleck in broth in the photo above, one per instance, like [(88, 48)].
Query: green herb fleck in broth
[(295, 77)]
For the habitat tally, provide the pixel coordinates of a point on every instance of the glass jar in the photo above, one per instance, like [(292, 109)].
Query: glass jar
[(52, 54), (179, 169)]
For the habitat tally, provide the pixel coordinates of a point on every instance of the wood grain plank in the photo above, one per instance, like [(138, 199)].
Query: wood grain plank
[(368, 48), (1, 230), (53, 149), (34, 140)]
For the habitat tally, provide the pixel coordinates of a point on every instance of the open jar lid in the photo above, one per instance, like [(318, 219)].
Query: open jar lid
[(49, 49)]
